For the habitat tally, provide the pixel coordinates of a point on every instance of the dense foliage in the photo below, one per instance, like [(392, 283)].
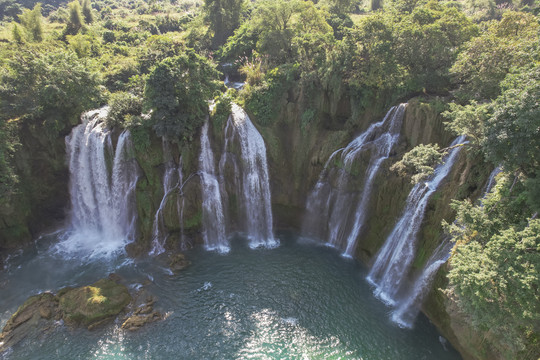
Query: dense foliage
[(495, 269), (177, 92)]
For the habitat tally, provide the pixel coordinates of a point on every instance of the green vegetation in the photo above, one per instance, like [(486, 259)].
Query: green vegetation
[(495, 269), (177, 90), (419, 162)]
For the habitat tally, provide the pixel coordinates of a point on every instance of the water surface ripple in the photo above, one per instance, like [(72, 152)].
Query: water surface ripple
[(298, 301)]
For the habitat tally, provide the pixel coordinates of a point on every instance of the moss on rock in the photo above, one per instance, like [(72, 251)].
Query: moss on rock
[(88, 305)]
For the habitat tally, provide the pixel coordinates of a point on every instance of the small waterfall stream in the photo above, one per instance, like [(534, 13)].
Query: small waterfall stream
[(172, 180), (407, 310), (393, 261), (331, 214), (491, 181), (213, 217), (102, 184)]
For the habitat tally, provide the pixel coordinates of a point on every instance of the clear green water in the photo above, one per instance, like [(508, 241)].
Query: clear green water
[(298, 301)]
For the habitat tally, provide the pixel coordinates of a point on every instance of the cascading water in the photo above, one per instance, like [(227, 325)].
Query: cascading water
[(344, 225), (393, 261), (102, 193), (172, 179), (253, 181), (213, 217), (249, 181), (491, 180), (407, 310)]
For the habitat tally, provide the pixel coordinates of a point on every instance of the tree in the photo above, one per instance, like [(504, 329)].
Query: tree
[(224, 17), (31, 22), (9, 9), (87, 11), (427, 43), (419, 163), (8, 145), (485, 61), (494, 274), (75, 20), (368, 56), (287, 29), (123, 105), (17, 35), (156, 49), (177, 92), (47, 86), (340, 7), (512, 134), (273, 22), (469, 120)]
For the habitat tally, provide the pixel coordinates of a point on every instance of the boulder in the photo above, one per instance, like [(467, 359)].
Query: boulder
[(33, 315), (88, 305), (143, 314)]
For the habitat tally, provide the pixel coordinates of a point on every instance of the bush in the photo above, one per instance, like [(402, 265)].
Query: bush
[(177, 92), (122, 104)]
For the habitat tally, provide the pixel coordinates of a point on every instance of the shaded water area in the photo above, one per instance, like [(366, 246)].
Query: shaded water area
[(298, 301)]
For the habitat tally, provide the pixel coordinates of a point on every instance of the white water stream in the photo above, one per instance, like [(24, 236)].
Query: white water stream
[(393, 261), (335, 213), (102, 186), (172, 180)]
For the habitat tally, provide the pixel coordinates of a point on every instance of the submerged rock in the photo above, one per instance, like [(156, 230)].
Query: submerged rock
[(178, 262), (143, 315)]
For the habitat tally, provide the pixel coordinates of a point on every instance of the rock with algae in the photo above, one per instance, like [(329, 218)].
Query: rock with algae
[(87, 306)]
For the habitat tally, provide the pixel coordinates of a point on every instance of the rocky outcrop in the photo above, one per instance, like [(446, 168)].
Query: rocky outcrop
[(90, 305), (143, 314), (87, 306), (178, 262), (32, 316)]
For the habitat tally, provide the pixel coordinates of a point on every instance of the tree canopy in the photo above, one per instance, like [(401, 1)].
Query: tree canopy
[(177, 93)]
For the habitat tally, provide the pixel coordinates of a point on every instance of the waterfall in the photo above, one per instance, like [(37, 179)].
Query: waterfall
[(331, 211), (491, 180), (253, 181), (213, 217), (248, 181), (172, 180), (408, 309), (102, 191), (396, 255)]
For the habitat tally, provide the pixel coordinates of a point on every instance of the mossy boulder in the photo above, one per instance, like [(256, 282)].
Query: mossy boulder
[(92, 304)]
